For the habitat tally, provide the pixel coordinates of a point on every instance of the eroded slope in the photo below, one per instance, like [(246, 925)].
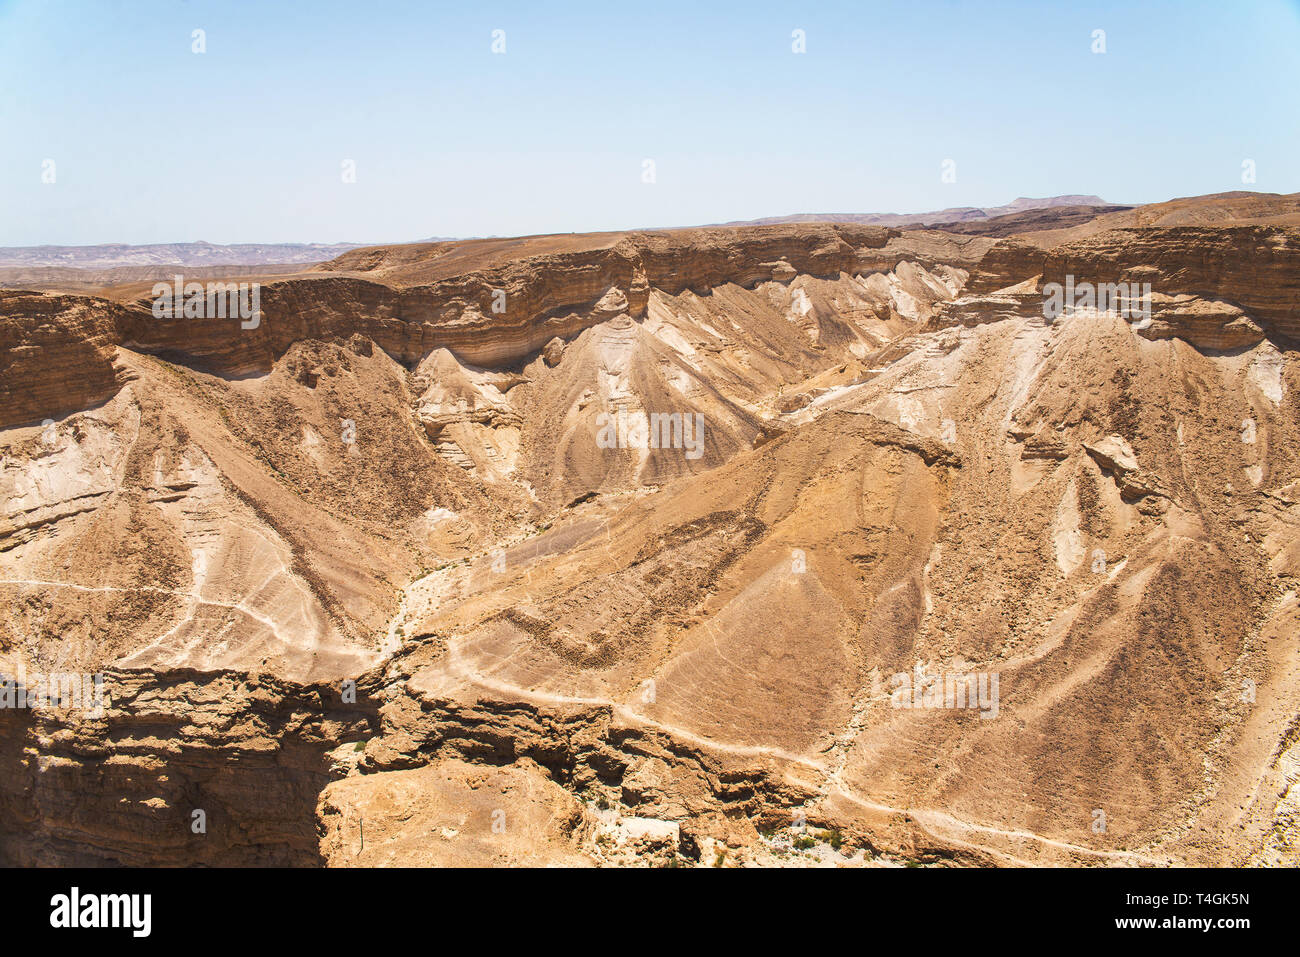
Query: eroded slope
[(566, 652)]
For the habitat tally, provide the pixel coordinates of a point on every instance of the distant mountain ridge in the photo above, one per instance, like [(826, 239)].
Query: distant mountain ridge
[(955, 214), (113, 255), (1065, 211)]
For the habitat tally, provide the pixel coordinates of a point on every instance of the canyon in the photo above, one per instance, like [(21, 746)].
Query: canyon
[(367, 589)]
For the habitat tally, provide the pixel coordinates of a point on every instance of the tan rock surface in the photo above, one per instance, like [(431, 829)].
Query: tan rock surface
[(641, 655)]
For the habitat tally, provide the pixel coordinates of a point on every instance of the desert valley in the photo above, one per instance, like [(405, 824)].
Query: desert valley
[(815, 541)]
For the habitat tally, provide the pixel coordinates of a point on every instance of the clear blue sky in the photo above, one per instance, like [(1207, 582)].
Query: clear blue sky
[(244, 143)]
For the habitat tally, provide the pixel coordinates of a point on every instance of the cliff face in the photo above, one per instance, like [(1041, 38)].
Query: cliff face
[(56, 351), (1254, 268), (249, 752), (498, 315), (56, 354)]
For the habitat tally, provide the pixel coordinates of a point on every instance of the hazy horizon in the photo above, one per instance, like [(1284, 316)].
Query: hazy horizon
[(369, 242)]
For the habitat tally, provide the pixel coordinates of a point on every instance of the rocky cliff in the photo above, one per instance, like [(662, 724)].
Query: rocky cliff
[(58, 354), (182, 767), (1237, 283)]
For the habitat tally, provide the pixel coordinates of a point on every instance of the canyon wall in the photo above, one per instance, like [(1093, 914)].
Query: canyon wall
[(56, 354), (58, 349), (1254, 268), (247, 750)]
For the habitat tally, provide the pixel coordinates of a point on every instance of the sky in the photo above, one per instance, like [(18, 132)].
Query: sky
[(617, 115)]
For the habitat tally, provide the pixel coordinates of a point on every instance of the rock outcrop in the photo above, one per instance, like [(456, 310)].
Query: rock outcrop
[(56, 354), (218, 769), (1219, 287)]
